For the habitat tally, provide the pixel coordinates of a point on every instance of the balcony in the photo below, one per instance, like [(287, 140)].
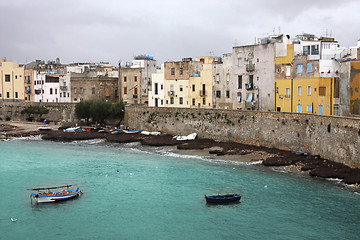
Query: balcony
[(250, 67), (202, 93), (63, 88), (28, 91), (171, 93), (135, 96)]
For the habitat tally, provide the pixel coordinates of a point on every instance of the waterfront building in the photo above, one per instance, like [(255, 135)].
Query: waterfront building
[(12, 88), (201, 85), (135, 79), (29, 84), (90, 84), (44, 77), (349, 103), (245, 78), (177, 81), (157, 94), (307, 75)]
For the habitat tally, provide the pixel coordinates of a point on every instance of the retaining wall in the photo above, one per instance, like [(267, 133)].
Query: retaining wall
[(333, 138), (58, 112)]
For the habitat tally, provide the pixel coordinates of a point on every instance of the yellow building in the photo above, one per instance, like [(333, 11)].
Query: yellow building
[(12, 86), (310, 95)]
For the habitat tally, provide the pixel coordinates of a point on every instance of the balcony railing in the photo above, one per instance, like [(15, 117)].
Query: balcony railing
[(171, 93), (63, 88), (202, 93)]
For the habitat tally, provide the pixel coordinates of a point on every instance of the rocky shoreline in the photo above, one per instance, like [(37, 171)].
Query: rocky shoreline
[(313, 165)]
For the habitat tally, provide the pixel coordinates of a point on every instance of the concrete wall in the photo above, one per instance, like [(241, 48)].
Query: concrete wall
[(334, 138)]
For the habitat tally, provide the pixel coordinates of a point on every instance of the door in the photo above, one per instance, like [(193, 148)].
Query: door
[(299, 108), (321, 110), (156, 102)]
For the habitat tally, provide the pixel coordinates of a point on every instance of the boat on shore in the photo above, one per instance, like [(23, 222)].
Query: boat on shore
[(132, 131), (221, 199), (45, 195), (45, 128)]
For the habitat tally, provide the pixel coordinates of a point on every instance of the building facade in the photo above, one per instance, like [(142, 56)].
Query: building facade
[(12, 87), (135, 80)]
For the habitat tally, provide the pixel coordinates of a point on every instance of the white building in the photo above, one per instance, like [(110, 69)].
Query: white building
[(156, 94)]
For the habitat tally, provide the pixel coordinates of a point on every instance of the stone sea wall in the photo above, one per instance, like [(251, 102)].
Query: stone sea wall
[(58, 112), (333, 138)]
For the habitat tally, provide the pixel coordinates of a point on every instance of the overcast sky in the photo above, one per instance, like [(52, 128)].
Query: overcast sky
[(110, 30)]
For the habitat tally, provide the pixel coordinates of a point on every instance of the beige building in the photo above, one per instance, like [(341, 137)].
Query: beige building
[(11, 81), (135, 80), (201, 85), (177, 81)]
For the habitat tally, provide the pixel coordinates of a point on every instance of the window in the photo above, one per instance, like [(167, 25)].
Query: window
[(172, 100), (314, 49), (309, 108), (156, 89), (135, 91), (7, 94), (239, 97), (299, 68), (135, 78), (172, 71), (217, 78), (193, 101), (287, 92), (306, 50), (227, 94), (125, 79), (81, 90), (288, 71), (181, 88), (171, 88), (309, 67), (322, 91), (240, 82), (125, 90), (181, 100), (16, 94), (239, 62), (204, 101), (181, 71), (51, 91), (227, 77), (251, 79), (193, 87), (93, 90), (15, 76), (55, 91), (7, 77), (75, 90), (60, 94), (218, 94), (299, 90), (161, 87), (309, 91)]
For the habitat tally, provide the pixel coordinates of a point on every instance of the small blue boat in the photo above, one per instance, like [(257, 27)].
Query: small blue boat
[(132, 131), (45, 195), (221, 199)]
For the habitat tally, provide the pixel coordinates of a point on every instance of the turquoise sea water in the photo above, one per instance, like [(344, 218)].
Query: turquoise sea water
[(134, 192)]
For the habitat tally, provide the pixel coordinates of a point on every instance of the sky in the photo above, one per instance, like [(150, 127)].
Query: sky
[(117, 30)]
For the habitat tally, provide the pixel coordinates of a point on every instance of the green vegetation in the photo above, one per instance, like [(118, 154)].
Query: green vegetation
[(34, 110), (100, 110)]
